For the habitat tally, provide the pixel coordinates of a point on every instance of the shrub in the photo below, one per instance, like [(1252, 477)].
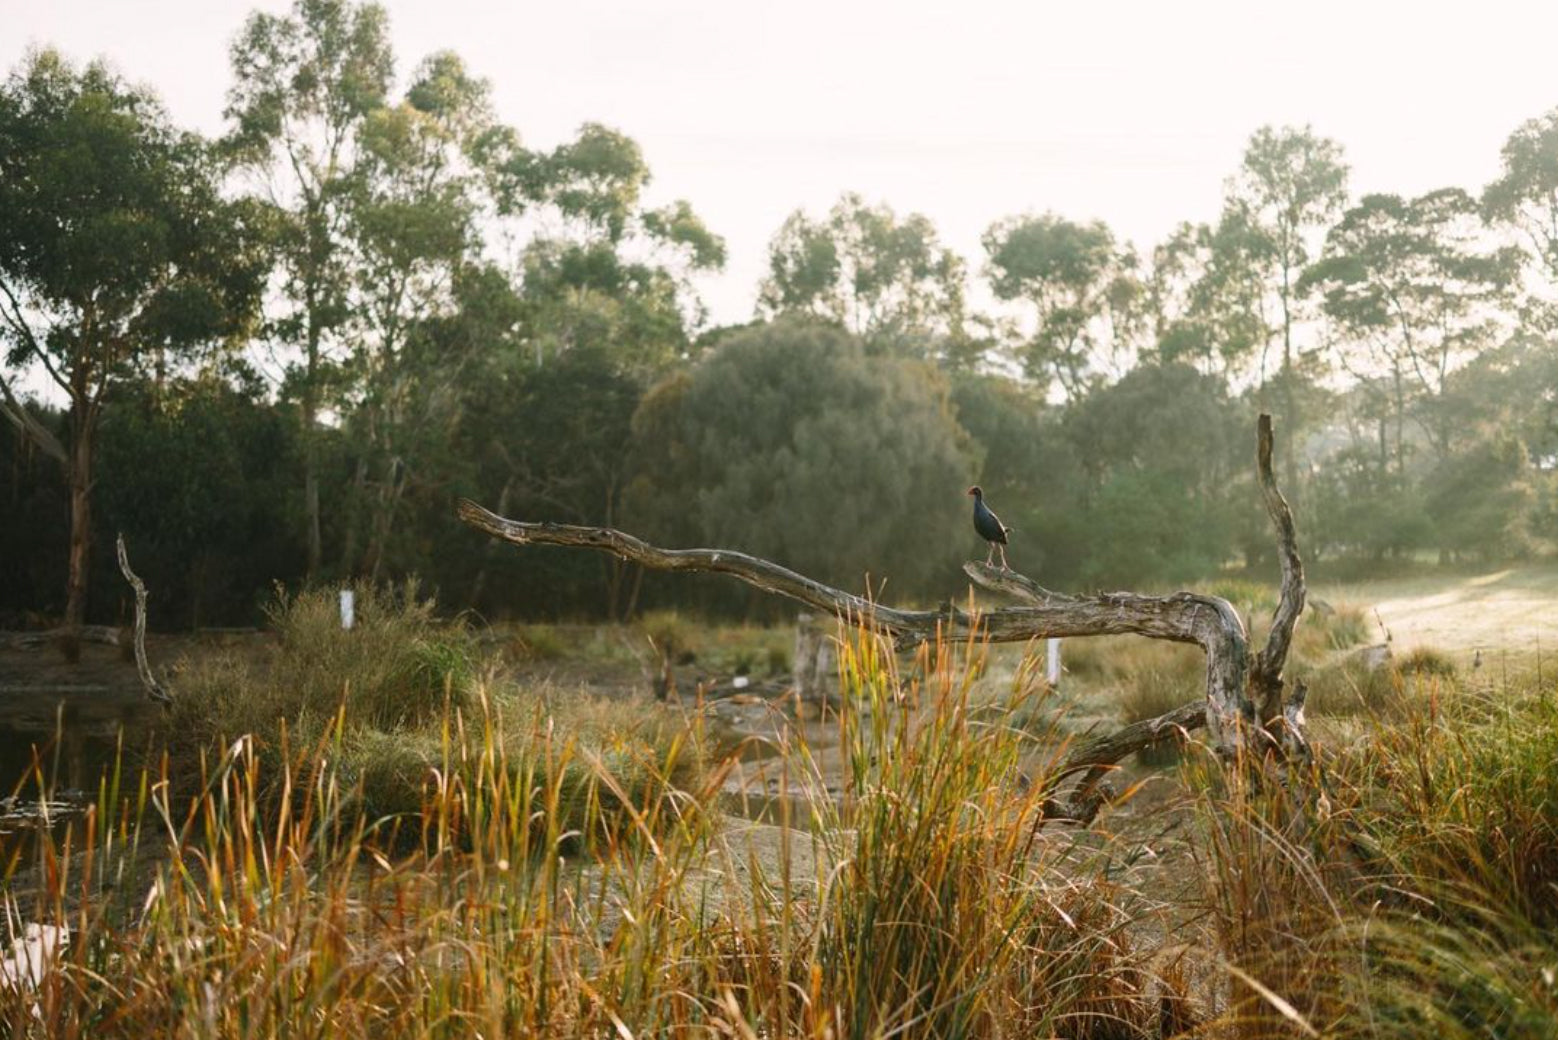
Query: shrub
[(399, 667), (671, 634), (1425, 660), (540, 643)]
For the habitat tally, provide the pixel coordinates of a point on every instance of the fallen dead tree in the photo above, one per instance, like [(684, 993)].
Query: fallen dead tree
[(1245, 710), (104, 634)]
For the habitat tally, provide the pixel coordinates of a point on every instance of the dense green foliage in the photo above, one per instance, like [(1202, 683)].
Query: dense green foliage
[(451, 310)]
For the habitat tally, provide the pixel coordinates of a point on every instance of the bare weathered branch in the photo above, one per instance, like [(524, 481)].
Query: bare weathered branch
[(1183, 617), (154, 690), (1111, 748), (905, 626), (1266, 669), (1207, 621), (1097, 757)]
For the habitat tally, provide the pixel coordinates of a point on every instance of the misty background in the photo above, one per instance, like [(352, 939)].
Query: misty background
[(785, 281)]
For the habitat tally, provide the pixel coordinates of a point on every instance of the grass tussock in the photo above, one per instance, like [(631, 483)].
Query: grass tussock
[(399, 666), (952, 916), (1412, 893)]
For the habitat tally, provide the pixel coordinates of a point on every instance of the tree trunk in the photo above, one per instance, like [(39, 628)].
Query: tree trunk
[(311, 487), (80, 518), (310, 431), (1289, 397), (816, 661)]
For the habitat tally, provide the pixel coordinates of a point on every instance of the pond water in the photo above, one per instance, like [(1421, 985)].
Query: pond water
[(54, 749)]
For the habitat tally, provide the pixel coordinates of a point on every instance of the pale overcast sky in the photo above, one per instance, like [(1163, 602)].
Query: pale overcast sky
[(1130, 112)]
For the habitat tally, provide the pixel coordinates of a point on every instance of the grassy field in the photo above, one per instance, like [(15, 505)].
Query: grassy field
[(1508, 609), (427, 831)]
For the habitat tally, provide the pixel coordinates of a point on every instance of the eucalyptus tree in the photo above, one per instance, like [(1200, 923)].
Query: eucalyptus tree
[(1417, 288), (117, 250), (597, 266), (887, 279), (412, 225), (1290, 186), (1206, 298), (1525, 199), (1083, 289), (305, 86)]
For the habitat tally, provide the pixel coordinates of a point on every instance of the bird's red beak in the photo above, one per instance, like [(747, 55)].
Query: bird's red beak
[(970, 491)]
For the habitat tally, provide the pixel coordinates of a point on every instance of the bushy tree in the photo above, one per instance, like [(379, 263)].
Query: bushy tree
[(599, 268), (555, 441), (1480, 500), (1524, 199), (1416, 288), (789, 442), (1164, 456), (1206, 296), (211, 524)]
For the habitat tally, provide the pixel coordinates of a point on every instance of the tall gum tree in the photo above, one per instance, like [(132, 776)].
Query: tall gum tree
[(304, 86), (117, 252), (887, 279), (1083, 288), (598, 267), (1416, 287), (412, 228), (601, 302), (1290, 186), (1524, 199)]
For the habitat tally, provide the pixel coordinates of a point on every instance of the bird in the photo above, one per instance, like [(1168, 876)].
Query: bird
[(989, 527)]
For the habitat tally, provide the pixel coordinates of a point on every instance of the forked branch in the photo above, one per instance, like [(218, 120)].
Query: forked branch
[(1207, 621)]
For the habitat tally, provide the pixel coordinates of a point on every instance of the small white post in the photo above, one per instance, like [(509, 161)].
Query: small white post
[(1052, 662), (348, 608)]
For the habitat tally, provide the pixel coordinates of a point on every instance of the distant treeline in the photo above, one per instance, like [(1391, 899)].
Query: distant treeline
[(280, 355)]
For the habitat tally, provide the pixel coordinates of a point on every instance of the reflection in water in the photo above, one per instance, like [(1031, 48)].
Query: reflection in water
[(54, 750)]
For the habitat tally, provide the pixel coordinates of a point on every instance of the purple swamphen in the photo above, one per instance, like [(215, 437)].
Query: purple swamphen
[(989, 527)]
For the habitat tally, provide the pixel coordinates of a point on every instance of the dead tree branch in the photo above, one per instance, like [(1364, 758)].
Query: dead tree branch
[(154, 690), (1266, 671), (1209, 622)]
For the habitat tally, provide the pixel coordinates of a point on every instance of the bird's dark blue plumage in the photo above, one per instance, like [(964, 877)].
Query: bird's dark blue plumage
[(988, 525)]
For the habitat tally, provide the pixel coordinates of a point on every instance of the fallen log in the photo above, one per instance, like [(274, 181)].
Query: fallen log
[(104, 634)]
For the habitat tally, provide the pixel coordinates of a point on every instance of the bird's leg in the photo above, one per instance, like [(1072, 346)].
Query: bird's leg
[(1004, 567), (990, 554)]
